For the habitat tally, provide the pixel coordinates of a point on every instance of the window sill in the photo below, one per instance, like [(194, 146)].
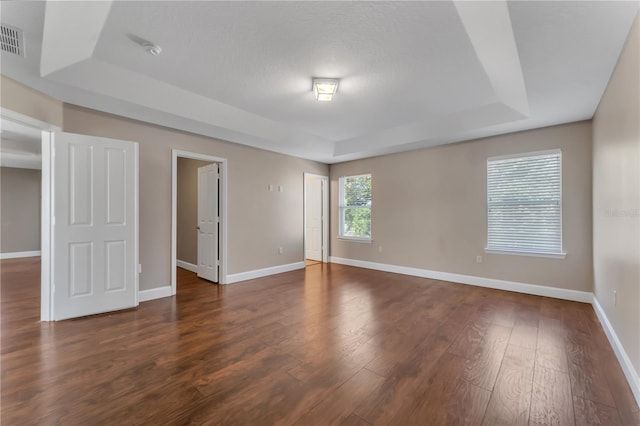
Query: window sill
[(526, 253), (356, 239)]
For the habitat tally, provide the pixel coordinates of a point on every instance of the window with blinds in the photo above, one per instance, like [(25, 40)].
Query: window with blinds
[(355, 207), (524, 203)]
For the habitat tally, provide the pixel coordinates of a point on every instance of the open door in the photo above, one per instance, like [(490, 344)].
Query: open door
[(313, 238), (94, 241), (316, 217), (208, 220)]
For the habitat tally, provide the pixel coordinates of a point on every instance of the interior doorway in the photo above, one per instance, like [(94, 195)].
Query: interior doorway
[(24, 146), (205, 222), (188, 212), (316, 219)]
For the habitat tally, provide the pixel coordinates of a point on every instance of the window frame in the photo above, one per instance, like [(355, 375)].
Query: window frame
[(561, 254), (342, 207)]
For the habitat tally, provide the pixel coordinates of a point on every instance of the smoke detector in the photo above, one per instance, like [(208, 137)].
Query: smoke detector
[(152, 49), (11, 40)]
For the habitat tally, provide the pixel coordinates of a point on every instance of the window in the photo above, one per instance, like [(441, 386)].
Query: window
[(355, 207), (524, 204)]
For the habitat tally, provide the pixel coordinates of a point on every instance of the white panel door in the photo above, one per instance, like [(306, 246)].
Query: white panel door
[(95, 253), (208, 222), (314, 219)]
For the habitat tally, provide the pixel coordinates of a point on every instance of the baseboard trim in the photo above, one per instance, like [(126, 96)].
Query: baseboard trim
[(186, 265), (18, 254), (534, 289), (259, 273), (627, 367), (154, 293)]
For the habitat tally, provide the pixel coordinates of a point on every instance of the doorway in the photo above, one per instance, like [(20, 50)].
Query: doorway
[(37, 156), (203, 161), (197, 215), (316, 219)]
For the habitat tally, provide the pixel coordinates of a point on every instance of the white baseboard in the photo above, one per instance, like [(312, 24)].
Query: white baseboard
[(627, 367), (186, 265), (258, 273), (154, 293), (538, 290), (18, 254)]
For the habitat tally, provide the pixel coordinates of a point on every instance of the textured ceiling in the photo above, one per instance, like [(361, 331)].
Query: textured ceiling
[(413, 74)]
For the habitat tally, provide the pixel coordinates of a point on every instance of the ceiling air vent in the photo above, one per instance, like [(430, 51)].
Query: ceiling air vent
[(11, 40)]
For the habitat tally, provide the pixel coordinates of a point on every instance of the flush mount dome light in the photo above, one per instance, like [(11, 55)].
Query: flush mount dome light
[(325, 88)]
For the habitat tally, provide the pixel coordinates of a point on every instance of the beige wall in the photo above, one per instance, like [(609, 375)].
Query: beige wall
[(259, 221), (187, 217), (23, 99), (616, 198), (429, 209), (19, 209)]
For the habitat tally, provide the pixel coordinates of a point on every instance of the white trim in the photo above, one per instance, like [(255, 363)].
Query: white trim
[(18, 254), (154, 293), (356, 239), (28, 121), (325, 214), (136, 224), (525, 154), (186, 265), (259, 273), (175, 153), (627, 367), (538, 290), (527, 253), (46, 228)]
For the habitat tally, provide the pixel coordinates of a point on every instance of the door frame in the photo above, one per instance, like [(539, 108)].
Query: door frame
[(46, 301), (325, 215), (222, 236)]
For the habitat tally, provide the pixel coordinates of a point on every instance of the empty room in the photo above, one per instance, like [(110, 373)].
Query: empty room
[(320, 213)]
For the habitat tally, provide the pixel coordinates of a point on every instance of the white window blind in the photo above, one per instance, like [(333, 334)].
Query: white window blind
[(524, 201), (355, 207)]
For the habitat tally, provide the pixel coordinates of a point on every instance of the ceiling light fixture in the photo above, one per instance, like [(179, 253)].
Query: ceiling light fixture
[(325, 88), (152, 49)]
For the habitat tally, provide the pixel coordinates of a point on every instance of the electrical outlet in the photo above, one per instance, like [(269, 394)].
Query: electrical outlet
[(478, 259), (270, 187), (615, 297), (280, 250), (280, 188), (379, 249)]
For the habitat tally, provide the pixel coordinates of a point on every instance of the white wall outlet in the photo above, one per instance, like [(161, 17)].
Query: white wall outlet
[(379, 249), (478, 259), (615, 297), (280, 188), (280, 250), (139, 268), (270, 187)]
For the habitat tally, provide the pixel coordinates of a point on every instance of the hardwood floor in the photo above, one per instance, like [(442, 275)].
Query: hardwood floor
[(331, 344)]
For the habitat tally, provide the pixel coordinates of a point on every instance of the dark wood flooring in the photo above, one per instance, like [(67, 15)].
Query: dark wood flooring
[(331, 344)]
